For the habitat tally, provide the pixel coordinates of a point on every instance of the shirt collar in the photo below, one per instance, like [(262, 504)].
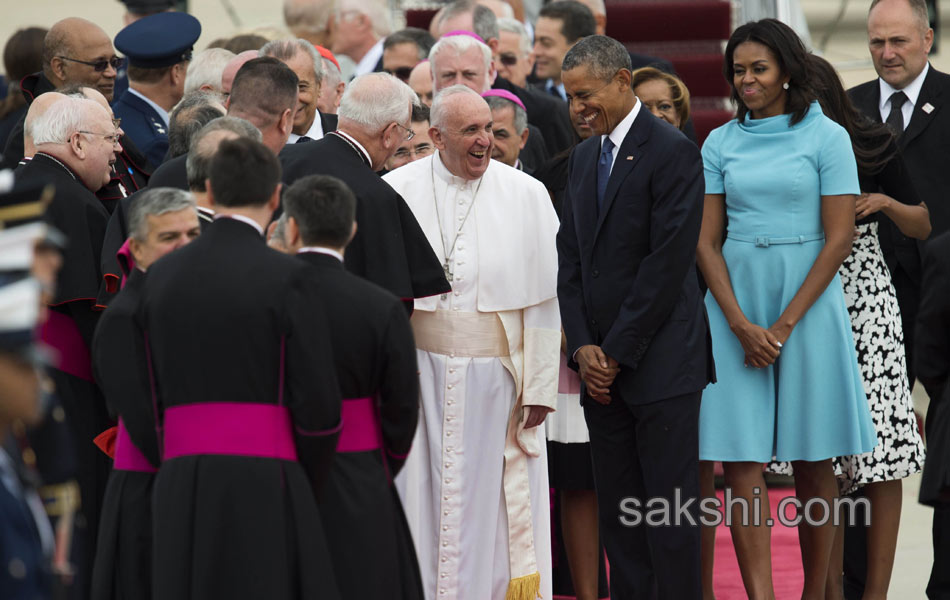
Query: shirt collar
[(359, 147), (320, 250), (243, 219), (161, 111), (549, 85), (911, 90), (620, 131), (314, 133), (369, 60)]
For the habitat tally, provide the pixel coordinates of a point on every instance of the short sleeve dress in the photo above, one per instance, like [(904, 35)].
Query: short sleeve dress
[(810, 404)]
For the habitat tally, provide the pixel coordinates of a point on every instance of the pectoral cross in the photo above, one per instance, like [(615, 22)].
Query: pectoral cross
[(448, 275)]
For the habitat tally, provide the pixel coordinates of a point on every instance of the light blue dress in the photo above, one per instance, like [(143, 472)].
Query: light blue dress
[(810, 404)]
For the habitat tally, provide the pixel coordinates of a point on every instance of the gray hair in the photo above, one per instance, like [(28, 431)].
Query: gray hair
[(64, 118), (308, 16), (284, 50), (331, 72), (438, 112), (514, 26), (199, 158), (460, 44), (376, 10), (375, 100), (195, 110), (484, 21), (917, 7), (205, 69), (521, 117), (156, 202), (604, 56)]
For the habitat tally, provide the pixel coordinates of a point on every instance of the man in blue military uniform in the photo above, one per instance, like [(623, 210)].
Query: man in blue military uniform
[(158, 49)]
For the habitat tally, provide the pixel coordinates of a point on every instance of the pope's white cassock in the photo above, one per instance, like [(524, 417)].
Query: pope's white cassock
[(475, 485)]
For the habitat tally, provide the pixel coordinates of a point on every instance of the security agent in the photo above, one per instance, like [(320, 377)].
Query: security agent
[(158, 48)]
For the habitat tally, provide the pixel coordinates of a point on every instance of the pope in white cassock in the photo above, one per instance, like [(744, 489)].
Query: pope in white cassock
[(475, 485)]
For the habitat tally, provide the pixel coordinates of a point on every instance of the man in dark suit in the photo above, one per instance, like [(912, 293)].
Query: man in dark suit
[(911, 96), (634, 318), (158, 48), (375, 358), (933, 364), (390, 248), (307, 65)]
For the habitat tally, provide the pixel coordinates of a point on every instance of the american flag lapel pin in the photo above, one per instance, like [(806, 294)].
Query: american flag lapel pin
[(928, 108)]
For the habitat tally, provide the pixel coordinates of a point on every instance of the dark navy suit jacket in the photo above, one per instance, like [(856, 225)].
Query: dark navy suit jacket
[(626, 277), (144, 125)]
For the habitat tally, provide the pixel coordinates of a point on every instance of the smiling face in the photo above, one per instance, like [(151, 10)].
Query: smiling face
[(89, 43), (465, 139), (598, 103), (97, 149), (420, 146), (758, 80), (657, 97), (166, 232), (898, 41), (307, 91), (550, 46), (467, 68)]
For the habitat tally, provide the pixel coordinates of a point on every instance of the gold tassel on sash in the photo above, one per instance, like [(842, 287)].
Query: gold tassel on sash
[(524, 588)]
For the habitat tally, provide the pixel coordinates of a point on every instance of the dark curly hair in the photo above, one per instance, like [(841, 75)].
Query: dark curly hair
[(792, 60)]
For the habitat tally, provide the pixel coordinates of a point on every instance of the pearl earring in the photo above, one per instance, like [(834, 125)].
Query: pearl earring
[(785, 86)]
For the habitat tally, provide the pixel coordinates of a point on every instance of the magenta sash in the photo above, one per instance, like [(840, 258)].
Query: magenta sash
[(60, 332), (229, 428), (361, 431), (127, 455)]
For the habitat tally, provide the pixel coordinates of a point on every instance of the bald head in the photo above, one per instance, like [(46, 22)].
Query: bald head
[(38, 108), (233, 66), (420, 80), (69, 45)]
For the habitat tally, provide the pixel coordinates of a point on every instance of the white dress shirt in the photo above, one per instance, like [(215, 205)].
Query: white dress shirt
[(314, 133), (161, 111), (912, 91), (321, 250), (367, 64), (243, 219)]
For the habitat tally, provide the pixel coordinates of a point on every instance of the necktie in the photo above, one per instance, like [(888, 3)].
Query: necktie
[(554, 91), (603, 171), (303, 139), (896, 117)]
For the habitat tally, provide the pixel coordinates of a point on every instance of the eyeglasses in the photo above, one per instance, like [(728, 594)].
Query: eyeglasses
[(112, 138), (409, 133), (509, 59), (420, 151), (116, 121), (400, 73), (99, 65), (586, 96)]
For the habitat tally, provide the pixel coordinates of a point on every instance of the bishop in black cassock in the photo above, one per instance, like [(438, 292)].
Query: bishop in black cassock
[(374, 352), (245, 386)]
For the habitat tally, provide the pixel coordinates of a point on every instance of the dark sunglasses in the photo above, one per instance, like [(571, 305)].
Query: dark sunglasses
[(508, 59), (400, 73), (99, 65)]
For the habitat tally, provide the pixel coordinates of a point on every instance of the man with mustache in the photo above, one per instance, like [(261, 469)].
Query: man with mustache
[(475, 485)]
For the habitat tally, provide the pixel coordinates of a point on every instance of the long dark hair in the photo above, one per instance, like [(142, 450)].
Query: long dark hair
[(792, 60), (874, 143), (22, 55)]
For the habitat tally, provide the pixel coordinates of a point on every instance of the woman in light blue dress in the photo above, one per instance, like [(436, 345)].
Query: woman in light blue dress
[(783, 176)]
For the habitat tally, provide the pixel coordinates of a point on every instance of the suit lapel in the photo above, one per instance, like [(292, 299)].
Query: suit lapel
[(929, 94), (585, 209), (627, 156), (870, 102)]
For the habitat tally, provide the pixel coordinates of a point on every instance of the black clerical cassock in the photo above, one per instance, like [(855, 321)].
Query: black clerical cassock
[(390, 249), (123, 563), (245, 385), (375, 358)]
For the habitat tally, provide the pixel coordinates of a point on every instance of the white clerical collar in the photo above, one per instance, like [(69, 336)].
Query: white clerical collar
[(314, 133), (443, 173), (321, 250), (367, 64), (911, 90), (243, 219), (620, 131), (357, 145), (161, 111)]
